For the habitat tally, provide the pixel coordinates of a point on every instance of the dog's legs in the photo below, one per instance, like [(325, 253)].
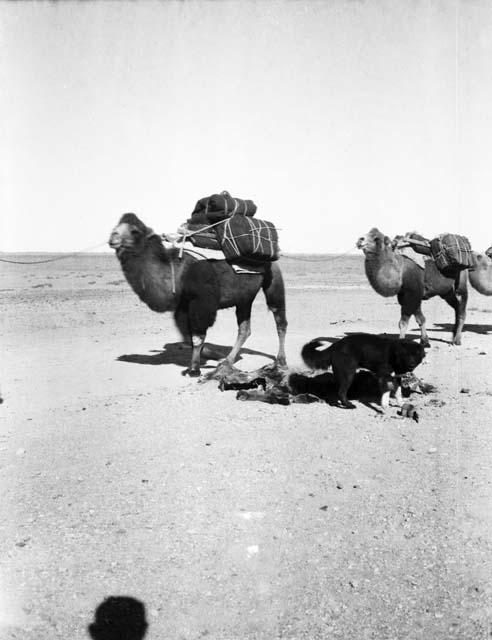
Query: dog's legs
[(387, 383), (398, 396), (344, 374), (385, 398)]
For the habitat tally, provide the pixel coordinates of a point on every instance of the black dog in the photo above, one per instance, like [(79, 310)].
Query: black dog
[(381, 355)]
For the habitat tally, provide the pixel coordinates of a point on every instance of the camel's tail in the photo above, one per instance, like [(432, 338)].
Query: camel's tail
[(317, 353)]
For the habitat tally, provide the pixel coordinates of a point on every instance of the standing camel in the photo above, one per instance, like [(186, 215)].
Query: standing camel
[(195, 289), (390, 273)]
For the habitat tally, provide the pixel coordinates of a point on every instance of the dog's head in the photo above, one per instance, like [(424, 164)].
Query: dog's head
[(406, 356)]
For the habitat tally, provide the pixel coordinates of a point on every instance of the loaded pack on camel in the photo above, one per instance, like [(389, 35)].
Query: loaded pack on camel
[(451, 253), (223, 223), (169, 273)]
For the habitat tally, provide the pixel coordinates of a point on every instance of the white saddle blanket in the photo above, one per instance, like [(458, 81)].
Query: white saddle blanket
[(204, 254), (418, 258)]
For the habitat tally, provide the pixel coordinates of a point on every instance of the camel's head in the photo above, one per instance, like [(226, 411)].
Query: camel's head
[(489, 252), (129, 234), (374, 242)]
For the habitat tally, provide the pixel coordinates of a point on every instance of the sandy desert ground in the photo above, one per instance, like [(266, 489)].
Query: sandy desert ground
[(226, 519)]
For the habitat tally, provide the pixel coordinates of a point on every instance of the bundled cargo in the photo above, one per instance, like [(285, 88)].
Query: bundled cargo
[(246, 239), (220, 206), (201, 236), (452, 254), (418, 243)]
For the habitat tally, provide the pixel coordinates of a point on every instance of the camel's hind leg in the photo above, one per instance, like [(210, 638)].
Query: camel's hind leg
[(274, 290), (243, 315), (458, 298)]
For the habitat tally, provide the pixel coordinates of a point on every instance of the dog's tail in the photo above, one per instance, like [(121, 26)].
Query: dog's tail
[(317, 354)]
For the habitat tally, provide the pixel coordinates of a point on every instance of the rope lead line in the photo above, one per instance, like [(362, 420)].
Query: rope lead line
[(65, 256)]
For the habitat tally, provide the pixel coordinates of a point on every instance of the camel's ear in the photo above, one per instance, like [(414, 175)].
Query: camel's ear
[(387, 241)]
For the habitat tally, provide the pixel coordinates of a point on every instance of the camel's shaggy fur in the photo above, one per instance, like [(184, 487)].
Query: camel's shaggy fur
[(481, 276), (194, 290), (390, 273)]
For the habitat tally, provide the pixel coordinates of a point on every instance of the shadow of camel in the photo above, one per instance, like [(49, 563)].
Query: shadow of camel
[(119, 618), (178, 353), (483, 329)]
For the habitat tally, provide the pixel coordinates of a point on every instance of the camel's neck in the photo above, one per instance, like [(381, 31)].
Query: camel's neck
[(154, 274), (384, 271), (481, 277)]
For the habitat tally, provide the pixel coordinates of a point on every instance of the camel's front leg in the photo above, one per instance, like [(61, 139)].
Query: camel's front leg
[(424, 338), (201, 315), (410, 301), (458, 300), (462, 298), (197, 342), (403, 324), (460, 316), (459, 323)]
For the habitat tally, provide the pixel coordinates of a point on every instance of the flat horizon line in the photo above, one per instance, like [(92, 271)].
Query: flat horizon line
[(97, 253)]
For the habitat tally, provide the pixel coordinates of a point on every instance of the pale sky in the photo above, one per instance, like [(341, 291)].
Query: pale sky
[(332, 116)]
